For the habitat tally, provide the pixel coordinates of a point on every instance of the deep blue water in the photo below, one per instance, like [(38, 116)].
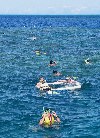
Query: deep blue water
[(69, 40)]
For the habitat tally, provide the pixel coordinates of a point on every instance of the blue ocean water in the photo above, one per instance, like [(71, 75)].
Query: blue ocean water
[(68, 40)]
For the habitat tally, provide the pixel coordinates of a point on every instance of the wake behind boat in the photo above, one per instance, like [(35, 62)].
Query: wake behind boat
[(72, 86)]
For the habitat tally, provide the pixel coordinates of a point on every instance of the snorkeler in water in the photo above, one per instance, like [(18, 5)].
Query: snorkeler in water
[(56, 73), (49, 118), (87, 61), (52, 63)]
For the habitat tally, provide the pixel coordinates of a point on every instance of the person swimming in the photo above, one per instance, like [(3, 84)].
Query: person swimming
[(52, 63), (49, 118), (37, 52), (56, 73), (87, 61)]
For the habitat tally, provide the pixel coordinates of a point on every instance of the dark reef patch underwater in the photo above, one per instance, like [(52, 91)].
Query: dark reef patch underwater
[(69, 40)]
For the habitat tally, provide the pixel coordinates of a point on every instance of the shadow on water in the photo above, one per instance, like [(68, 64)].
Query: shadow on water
[(86, 85)]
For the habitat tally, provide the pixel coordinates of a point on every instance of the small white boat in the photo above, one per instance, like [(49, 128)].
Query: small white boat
[(67, 86)]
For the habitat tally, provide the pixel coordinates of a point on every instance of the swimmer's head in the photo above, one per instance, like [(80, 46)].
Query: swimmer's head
[(51, 62), (42, 79), (54, 71), (47, 110), (88, 60)]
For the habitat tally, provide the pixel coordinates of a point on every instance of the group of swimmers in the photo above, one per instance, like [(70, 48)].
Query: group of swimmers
[(55, 72), (50, 117)]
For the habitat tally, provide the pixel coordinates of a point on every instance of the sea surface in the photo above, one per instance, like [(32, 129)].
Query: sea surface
[(68, 40)]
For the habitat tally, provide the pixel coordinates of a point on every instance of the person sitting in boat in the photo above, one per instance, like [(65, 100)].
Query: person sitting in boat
[(49, 118), (41, 81), (45, 87), (52, 63), (56, 73), (42, 85)]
